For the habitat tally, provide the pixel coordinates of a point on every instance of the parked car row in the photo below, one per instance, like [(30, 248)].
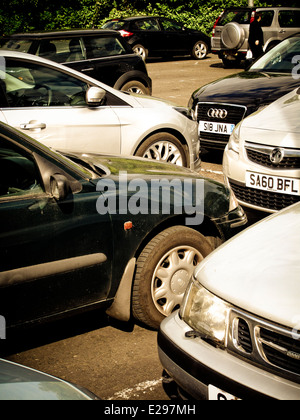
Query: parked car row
[(66, 200)]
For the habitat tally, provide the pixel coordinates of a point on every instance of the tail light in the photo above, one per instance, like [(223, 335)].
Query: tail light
[(125, 34), (216, 23)]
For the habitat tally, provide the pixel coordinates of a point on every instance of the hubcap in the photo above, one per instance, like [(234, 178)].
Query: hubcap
[(164, 151), (200, 50), (171, 277)]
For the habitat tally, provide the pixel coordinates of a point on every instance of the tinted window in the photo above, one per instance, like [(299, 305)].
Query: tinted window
[(105, 47), (240, 16), (146, 25), (62, 50), (267, 18), (29, 84), (18, 172), (289, 19), (171, 26), (21, 45), (115, 25)]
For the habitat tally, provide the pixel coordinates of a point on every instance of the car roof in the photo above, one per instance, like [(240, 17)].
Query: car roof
[(67, 32)]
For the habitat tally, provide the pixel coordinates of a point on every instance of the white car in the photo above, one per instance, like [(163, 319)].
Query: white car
[(262, 159), (66, 110), (237, 335)]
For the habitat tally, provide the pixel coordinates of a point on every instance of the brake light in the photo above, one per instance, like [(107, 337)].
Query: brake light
[(216, 23), (125, 34)]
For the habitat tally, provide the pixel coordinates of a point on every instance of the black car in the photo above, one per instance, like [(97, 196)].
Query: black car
[(85, 230), (101, 54), (161, 37), (222, 104)]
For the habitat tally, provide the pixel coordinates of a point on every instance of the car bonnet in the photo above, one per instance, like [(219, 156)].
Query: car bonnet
[(259, 270)]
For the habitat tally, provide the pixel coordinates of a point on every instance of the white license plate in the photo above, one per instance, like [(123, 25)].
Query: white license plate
[(216, 394), (216, 128), (276, 184)]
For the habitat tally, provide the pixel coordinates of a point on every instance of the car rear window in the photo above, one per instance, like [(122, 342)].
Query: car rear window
[(242, 17), (115, 25)]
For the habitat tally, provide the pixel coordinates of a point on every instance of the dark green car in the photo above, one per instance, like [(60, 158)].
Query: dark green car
[(87, 230)]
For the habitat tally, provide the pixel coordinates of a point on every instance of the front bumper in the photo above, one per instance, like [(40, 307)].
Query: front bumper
[(196, 365), (235, 167)]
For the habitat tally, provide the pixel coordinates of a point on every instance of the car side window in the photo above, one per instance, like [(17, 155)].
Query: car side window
[(170, 26), (62, 50), (105, 47), (289, 19), (147, 25), (28, 84), (19, 174), (267, 18)]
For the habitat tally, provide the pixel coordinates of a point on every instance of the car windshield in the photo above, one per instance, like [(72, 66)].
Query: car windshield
[(20, 45), (283, 58)]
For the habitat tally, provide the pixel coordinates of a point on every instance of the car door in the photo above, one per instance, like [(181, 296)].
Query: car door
[(174, 36), (149, 34), (55, 256), (289, 23), (49, 105)]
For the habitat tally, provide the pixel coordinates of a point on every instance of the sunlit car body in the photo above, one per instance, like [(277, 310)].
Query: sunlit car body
[(64, 109), (84, 230), (262, 159), (237, 334), (21, 383), (101, 54), (222, 104)]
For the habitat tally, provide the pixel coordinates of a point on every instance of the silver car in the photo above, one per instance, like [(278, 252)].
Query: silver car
[(261, 162), (66, 110), (237, 333)]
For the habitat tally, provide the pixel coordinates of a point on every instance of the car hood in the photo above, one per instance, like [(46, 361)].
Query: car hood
[(250, 89), (278, 123), (259, 270)]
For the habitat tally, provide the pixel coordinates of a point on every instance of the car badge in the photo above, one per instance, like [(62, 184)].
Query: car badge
[(217, 113), (276, 156)]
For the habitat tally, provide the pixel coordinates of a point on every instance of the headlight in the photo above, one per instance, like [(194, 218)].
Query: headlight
[(234, 140), (187, 112), (205, 313)]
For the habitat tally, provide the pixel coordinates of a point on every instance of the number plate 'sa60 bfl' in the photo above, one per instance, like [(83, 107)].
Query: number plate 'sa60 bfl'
[(273, 183)]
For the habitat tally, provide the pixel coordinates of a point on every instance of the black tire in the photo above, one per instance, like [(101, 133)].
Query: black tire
[(163, 271), (163, 147), (133, 86)]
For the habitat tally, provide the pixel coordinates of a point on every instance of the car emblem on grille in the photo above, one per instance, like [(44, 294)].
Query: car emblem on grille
[(217, 113), (277, 155)]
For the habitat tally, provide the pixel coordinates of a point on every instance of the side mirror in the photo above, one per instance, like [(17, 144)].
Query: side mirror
[(59, 187), (95, 96)]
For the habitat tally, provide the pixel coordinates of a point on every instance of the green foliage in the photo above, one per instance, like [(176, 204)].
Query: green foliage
[(37, 15)]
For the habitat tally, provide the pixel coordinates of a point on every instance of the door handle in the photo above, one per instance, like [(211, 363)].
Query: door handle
[(33, 125), (282, 31)]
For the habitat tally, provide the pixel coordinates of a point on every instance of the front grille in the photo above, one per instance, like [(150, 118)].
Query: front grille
[(285, 356), (263, 199), (265, 344), (262, 158), (235, 113)]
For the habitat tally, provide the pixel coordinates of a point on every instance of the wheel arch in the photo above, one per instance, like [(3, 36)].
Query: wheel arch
[(168, 130)]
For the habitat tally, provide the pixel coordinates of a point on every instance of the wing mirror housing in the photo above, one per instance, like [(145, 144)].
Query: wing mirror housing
[(59, 187), (95, 96)]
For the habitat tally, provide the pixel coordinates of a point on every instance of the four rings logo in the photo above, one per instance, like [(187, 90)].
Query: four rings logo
[(217, 113)]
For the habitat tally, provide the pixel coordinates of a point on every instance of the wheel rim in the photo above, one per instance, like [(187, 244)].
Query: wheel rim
[(136, 90), (165, 152), (171, 277), (140, 51), (200, 50)]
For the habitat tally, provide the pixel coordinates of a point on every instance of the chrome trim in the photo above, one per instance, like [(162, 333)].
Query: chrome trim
[(258, 356), (267, 150)]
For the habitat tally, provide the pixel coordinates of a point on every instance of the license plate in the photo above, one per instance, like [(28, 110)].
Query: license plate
[(216, 394), (216, 128), (272, 183)]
